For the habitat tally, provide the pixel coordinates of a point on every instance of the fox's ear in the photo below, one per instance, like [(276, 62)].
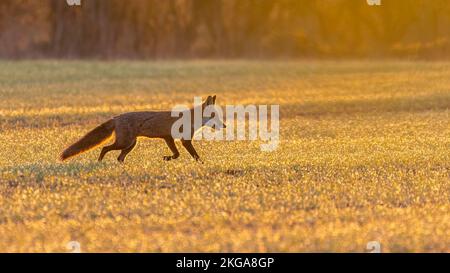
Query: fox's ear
[(209, 100), (214, 99)]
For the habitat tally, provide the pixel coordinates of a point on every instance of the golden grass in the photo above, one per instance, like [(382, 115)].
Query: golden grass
[(364, 156)]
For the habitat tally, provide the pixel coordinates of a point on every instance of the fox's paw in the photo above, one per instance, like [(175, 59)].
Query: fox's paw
[(197, 158), (167, 158)]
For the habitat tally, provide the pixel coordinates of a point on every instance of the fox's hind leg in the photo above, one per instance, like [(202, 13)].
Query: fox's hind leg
[(122, 142), (124, 152), (107, 149)]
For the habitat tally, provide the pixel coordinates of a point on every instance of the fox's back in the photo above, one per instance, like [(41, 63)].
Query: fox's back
[(146, 123)]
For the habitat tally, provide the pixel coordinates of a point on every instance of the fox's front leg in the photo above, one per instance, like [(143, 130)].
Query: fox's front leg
[(188, 145), (171, 143)]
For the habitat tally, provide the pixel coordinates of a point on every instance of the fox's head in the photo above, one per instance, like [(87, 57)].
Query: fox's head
[(210, 116)]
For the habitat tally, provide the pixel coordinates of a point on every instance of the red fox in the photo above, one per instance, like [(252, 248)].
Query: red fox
[(128, 126)]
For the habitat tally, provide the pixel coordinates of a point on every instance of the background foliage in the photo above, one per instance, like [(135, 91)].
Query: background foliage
[(224, 29)]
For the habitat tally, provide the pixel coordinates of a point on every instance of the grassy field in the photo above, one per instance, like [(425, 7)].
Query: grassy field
[(364, 156)]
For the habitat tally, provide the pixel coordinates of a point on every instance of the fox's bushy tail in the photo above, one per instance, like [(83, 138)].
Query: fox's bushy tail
[(90, 140)]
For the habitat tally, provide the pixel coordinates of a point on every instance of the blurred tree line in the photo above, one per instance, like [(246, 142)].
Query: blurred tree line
[(224, 28)]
